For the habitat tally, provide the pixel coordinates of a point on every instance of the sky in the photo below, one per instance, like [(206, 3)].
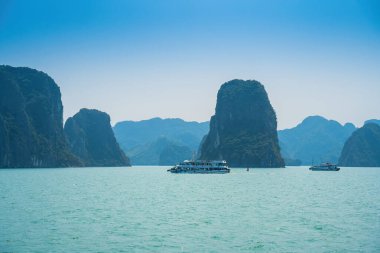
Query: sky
[(147, 58)]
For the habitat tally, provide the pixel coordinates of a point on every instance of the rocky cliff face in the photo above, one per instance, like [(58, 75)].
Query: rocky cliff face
[(31, 124), (362, 149), (91, 138), (243, 130)]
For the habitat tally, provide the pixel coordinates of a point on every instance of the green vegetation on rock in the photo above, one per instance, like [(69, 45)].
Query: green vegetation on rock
[(91, 138), (243, 130), (31, 121), (362, 149)]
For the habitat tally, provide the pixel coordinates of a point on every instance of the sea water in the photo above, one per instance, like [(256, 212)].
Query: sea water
[(146, 209)]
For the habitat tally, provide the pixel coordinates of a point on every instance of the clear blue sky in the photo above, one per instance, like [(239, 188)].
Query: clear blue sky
[(141, 59)]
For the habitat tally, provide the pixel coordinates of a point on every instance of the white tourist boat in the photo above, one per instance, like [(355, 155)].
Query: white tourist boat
[(325, 167), (201, 167)]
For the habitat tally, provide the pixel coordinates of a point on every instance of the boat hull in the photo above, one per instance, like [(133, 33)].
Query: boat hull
[(322, 169), (201, 167), (325, 167), (199, 171)]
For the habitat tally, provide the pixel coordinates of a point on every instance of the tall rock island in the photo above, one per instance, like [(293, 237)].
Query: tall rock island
[(31, 121), (362, 149), (91, 138), (243, 130)]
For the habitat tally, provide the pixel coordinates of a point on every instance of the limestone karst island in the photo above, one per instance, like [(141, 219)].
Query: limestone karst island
[(243, 132), (189, 126)]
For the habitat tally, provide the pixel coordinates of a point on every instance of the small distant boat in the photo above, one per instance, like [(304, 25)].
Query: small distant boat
[(325, 167), (201, 167)]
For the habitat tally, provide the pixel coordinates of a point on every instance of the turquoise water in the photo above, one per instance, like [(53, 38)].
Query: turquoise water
[(146, 209)]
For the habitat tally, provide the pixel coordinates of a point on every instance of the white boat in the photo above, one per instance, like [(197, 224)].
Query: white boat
[(201, 167), (325, 167)]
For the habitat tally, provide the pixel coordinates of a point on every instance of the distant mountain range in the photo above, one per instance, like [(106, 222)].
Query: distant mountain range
[(243, 131), (315, 140), (376, 121), (159, 141), (167, 141), (161, 151)]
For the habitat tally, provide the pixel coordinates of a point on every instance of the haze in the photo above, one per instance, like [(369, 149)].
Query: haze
[(141, 59)]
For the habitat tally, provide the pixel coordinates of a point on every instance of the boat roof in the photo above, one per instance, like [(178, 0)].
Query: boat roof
[(205, 161)]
